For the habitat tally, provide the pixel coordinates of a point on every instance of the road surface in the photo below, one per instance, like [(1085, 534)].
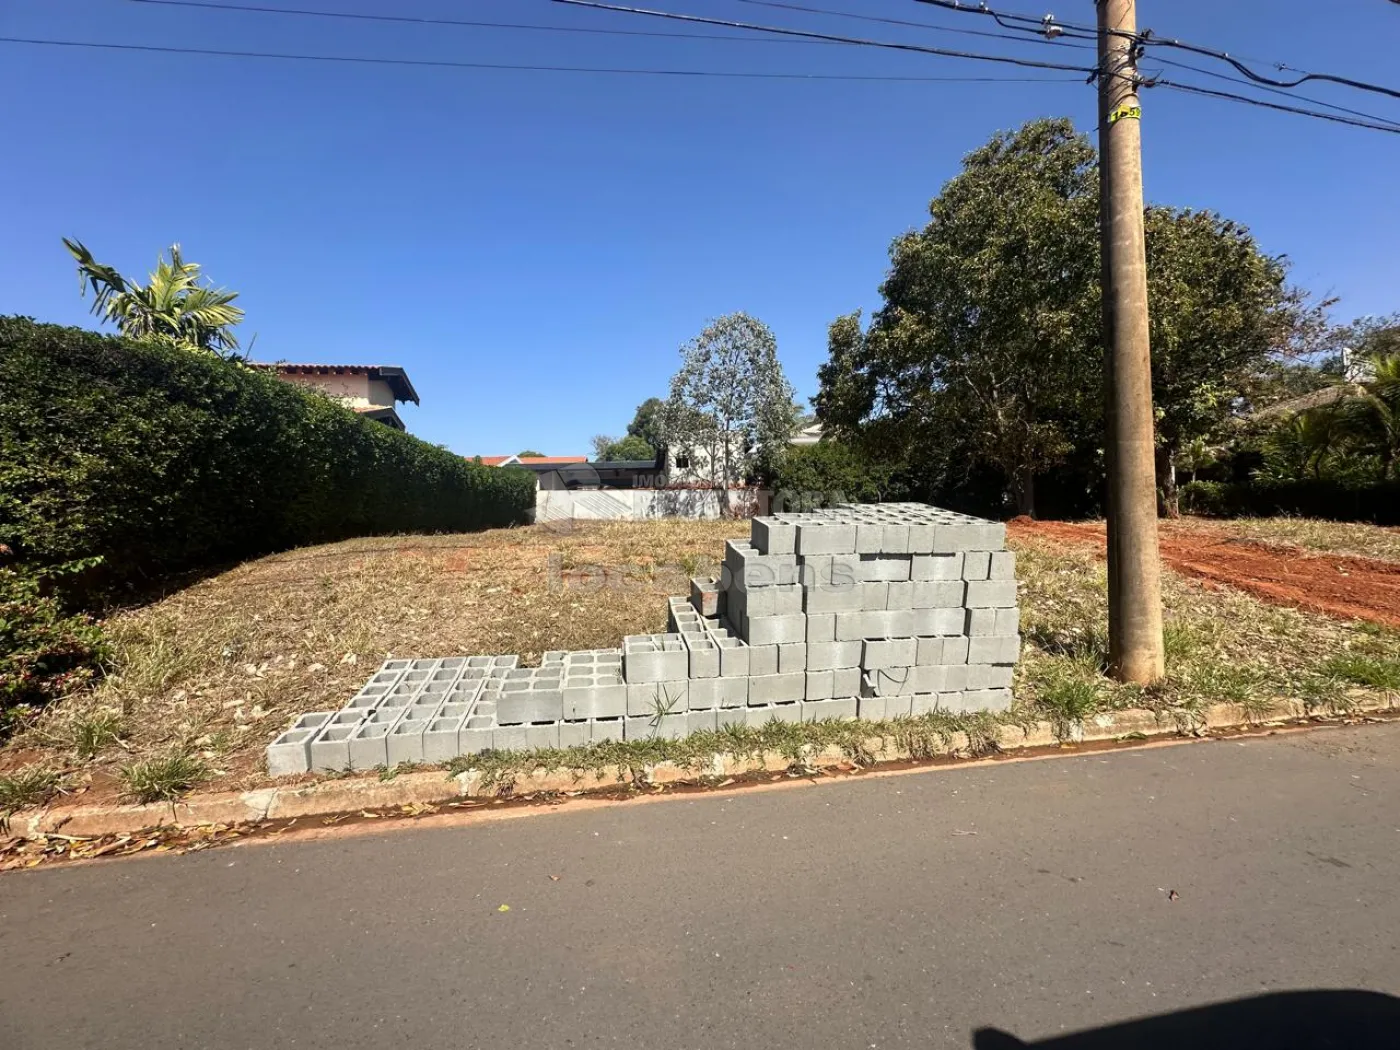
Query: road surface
[(1036, 898)]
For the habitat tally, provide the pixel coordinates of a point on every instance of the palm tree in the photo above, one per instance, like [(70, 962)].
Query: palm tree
[(173, 305), (1372, 419)]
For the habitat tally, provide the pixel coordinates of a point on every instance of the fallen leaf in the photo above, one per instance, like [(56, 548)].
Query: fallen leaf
[(554, 878), (1172, 895), (504, 907)]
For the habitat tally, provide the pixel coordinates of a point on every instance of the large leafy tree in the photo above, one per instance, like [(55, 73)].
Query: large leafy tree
[(173, 304), (731, 408), (988, 348)]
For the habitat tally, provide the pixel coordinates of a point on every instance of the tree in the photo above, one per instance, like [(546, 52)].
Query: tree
[(530, 453), (731, 408), (173, 304), (630, 447), (601, 443), (984, 350), (988, 348), (646, 423), (1371, 422)]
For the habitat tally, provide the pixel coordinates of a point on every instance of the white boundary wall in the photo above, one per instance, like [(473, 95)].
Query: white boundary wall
[(641, 504)]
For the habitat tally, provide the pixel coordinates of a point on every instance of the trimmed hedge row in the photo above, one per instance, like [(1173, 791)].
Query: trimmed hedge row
[(1379, 503), (158, 460)]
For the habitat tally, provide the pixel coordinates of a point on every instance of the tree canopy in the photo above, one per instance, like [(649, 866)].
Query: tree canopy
[(987, 351)]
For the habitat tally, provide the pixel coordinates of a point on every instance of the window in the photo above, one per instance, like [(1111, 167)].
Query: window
[(682, 461)]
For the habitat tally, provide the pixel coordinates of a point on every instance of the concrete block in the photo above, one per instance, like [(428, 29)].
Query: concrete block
[(650, 698), (937, 621), (702, 694), (1003, 566), (825, 538), (955, 650), (994, 649), (776, 630), (762, 715), (290, 753), (733, 657), (828, 599), (763, 659), (928, 651), (896, 539), (889, 652), (367, 745), (980, 622), (889, 681), (313, 720), (477, 735), (819, 685), (553, 657), (772, 536), (405, 742), (701, 721), (830, 570), (899, 595), (441, 738), (792, 657), (976, 535), (826, 656), (541, 734), (987, 700), (607, 729), (939, 594), (1008, 621), (733, 692), (777, 688), (510, 738), (927, 567), (602, 695), (665, 727), (845, 682), (976, 565), (575, 732), (850, 626), (884, 568), (706, 597), (875, 597), (892, 623), (530, 700), (821, 627), (704, 657), (870, 538), (783, 600), (938, 678), (921, 535), (879, 708), (654, 658), (330, 747), (838, 708)]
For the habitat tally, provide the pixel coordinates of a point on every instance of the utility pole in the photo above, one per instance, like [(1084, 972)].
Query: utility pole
[(1134, 563)]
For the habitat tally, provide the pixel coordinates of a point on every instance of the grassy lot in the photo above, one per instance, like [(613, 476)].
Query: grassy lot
[(203, 679), (1328, 537)]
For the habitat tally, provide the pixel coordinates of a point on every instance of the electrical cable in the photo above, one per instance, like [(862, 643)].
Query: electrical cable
[(368, 60), (902, 22)]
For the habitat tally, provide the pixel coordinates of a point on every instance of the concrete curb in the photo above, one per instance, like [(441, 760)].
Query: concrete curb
[(359, 794)]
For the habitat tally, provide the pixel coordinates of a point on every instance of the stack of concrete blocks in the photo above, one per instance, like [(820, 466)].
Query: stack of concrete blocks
[(871, 611)]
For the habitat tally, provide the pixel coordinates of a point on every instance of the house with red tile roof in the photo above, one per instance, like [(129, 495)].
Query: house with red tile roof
[(370, 390)]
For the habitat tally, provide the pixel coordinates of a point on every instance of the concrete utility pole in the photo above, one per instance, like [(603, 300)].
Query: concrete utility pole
[(1134, 567)]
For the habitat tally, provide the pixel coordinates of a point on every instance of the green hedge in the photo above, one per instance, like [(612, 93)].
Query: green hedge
[(1378, 503), (157, 460)]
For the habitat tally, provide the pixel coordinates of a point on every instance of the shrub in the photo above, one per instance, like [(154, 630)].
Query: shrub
[(157, 460), (829, 472), (44, 653), (1335, 501)]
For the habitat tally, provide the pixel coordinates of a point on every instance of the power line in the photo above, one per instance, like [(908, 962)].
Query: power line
[(1275, 91), (923, 49), (903, 22), (1146, 38), (1394, 129), (369, 60), (411, 20)]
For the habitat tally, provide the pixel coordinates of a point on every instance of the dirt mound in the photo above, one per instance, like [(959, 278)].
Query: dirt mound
[(1344, 587)]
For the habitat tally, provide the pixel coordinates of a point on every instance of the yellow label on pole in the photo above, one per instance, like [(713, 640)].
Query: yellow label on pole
[(1125, 113)]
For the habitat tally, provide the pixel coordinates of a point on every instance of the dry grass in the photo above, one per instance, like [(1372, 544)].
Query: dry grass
[(216, 670), (1329, 537), (203, 679), (1222, 645)]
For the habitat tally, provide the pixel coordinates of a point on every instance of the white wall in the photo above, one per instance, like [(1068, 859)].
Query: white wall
[(641, 504)]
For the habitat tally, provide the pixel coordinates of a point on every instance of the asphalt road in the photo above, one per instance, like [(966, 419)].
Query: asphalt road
[(908, 911)]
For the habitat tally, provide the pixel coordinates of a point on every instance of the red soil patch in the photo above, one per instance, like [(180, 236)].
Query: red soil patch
[(1347, 588)]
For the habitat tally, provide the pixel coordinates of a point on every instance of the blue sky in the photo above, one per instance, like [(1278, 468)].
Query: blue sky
[(534, 247)]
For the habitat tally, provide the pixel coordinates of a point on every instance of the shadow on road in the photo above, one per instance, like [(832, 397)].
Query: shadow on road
[(1340, 1020)]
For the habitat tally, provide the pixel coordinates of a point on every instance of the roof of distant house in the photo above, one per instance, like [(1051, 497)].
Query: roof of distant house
[(1317, 399), (530, 461), (395, 376)]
